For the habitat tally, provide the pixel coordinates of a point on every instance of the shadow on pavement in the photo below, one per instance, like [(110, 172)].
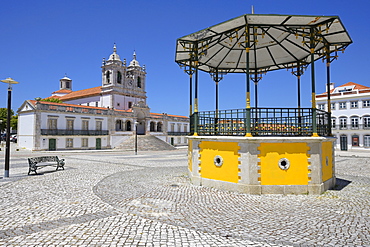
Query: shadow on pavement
[(341, 184)]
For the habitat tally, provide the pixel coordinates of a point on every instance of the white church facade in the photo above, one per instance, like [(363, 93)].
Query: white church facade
[(100, 117)]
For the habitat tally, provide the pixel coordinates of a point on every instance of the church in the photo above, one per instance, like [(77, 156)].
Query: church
[(102, 117)]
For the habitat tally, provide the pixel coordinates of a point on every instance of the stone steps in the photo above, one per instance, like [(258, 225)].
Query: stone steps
[(145, 143)]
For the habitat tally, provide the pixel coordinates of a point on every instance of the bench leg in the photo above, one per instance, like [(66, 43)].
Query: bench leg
[(32, 169)]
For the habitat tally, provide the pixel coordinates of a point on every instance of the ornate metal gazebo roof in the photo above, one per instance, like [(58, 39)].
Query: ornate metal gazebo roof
[(273, 42)]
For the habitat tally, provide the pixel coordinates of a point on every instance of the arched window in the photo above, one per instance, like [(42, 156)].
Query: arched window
[(119, 77), (343, 123), (139, 82), (128, 125), (366, 120), (152, 126), (107, 76), (159, 127), (354, 122), (119, 125)]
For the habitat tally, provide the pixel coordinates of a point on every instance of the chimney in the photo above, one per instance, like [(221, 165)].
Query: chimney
[(331, 85)]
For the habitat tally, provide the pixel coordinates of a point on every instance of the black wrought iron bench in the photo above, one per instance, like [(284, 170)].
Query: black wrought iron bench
[(40, 162)]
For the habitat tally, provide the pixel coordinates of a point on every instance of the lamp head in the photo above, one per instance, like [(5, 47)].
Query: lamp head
[(9, 81)]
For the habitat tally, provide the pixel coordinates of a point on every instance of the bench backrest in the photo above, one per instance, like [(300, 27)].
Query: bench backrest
[(43, 159)]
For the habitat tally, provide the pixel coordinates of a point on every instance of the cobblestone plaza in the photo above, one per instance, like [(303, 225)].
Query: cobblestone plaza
[(112, 198)]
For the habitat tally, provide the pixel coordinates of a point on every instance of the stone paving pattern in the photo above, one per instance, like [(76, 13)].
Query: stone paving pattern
[(119, 199)]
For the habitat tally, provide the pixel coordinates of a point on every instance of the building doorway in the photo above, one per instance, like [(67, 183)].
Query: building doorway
[(343, 143), (52, 144), (140, 127), (355, 141), (98, 143)]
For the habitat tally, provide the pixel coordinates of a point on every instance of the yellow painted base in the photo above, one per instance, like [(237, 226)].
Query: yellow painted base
[(227, 153), (293, 153), (263, 165)]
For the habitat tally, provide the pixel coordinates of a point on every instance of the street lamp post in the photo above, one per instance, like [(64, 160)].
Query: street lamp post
[(9, 81), (136, 123)]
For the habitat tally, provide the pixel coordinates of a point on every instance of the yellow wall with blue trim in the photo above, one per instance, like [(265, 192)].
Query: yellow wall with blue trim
[(272, 174), (229, 170)]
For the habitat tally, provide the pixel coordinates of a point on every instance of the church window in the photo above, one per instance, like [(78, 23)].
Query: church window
[(129, 104), (67, 84), (128, 126), (119, 77), (152, 126), (119, 125), (159, 127), (139, 82), (107, 76)]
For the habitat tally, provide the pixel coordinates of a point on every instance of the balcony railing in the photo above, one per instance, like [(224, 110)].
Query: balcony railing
[(351, 127), (61, 132), (263, 122), (178, 133)]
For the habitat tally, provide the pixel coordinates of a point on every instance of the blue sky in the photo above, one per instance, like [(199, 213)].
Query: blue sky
[(41, 40)]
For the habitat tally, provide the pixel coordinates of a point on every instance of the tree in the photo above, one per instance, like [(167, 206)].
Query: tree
[(14, 122), (55, 100), (3, 117)]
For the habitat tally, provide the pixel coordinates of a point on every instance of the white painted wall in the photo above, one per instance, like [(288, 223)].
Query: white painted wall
[(26, 133)]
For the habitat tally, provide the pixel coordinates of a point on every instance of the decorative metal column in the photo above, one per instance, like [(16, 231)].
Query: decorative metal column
[(248, 96), (9, 81), (196, 119), (313, 94), (217, 76), (298, 72)]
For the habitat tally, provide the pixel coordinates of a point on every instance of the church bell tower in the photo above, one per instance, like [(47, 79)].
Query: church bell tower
[(122, 86)]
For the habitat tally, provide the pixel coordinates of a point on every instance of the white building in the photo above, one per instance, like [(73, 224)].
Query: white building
[(350, 107), (99, 117)]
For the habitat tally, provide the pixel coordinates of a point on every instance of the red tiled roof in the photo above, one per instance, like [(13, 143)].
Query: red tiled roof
[(82, 93), (159, 114), (356, 87), (63, 91), (53, 97), (64, 104)]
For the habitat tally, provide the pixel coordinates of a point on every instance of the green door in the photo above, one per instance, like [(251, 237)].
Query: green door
[(98, 143), (52, 144)]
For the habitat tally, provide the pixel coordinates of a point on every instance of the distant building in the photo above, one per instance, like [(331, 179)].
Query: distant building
[(350, 106), (99, 117)]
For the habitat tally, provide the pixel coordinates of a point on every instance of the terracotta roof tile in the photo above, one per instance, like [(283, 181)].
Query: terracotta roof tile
[(63, 91), (357, 87), (160, 114), (64, 104), (82, 93)]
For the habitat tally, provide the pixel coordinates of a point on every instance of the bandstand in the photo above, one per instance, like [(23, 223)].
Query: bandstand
[(260, 150)]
